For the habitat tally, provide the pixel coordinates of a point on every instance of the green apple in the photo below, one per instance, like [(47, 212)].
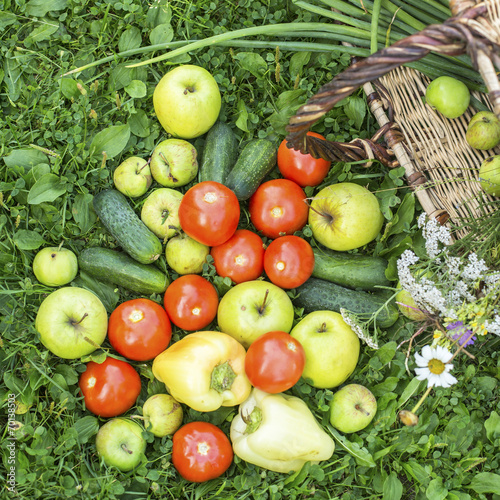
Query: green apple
[(489, 175), (55, 266), (132, 177), (345, 216), (119, 442), (448, 95), (332, 348), (185, 255), (160, 212), (408, 306), (187, 101), (163, 414), (483, 131), (72, 322), (352, 408), (252, 308), (174, 163)]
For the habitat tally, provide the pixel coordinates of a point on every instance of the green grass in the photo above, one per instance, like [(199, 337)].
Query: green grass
[(48, 177)]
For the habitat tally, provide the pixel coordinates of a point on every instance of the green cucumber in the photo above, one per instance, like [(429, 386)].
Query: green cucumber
[(255, 161), (361, 272), (120, 269), (319, 295), (219, 153), (120, 219)]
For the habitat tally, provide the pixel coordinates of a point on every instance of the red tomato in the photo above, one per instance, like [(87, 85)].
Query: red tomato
[(191, 302), (241, 257), (278, 207), (302, 169), (109, 388), (289, 261), (274, 362), (209, 212), (201, 451), (139, 329)]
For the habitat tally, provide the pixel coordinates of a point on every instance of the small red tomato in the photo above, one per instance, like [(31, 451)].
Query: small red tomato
[(201, 451), (274, 362), (241, 257), (139, 329), (209, 212), (289, 261), (191, 302), (302, 168), (109, 388), (278, 207)]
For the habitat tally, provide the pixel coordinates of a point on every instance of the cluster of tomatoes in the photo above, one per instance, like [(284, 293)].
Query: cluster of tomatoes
[(140, 329)]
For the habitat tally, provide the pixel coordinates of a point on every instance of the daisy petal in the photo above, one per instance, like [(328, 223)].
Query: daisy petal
[(427, 352)]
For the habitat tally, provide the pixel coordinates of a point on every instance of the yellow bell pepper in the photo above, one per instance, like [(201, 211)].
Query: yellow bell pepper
[(278, 432), (204, 370)]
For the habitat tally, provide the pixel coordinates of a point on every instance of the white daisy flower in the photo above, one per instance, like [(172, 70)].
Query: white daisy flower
[(433, 365)]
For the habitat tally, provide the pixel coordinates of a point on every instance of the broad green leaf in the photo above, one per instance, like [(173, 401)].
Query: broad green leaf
[(121, 76), (403, 217), (492, 426), (392, 489), (286, 105), (362, 456), (242, 120), (25, 157), (436, 490), (46, 189), (12, 78), (38, 8), (136, 89), (140, 124), (28, 240), (413, 387), (297, 63), (130, 39), (83, 212), (111, 140), (355, 109), (253, 63), (86, 427), (158, 13), (69, 88), (6, 19), (162, 33), (417, 471), (44, 31), (485, 482), (107, 292)]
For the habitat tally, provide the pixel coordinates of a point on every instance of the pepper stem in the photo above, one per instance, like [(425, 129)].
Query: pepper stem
[(222, 377), (253, 420)]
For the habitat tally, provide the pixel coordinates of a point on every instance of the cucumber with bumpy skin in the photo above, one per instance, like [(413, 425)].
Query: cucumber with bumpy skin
[(120, 269), (317, 294), (219, 153), (360, 272), (120, 219), (255, 161)]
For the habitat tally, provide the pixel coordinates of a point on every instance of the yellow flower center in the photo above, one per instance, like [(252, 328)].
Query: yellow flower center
[(435, 366)]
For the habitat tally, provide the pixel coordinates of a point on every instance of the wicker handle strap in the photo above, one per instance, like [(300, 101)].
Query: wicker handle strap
[(474, 30)]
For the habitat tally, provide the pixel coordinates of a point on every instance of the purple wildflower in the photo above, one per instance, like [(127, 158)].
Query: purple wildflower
[(459, 331)]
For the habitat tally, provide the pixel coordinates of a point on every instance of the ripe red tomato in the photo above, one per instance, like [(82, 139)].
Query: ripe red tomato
[(191, 302), (109, 388), (274, 362), (209, 212), (139, 329), (289, 261), (241, 257), (278, 207), (201, 451), (302, 168)]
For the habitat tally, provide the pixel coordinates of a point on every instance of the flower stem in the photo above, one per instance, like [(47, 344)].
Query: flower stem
[(422, 399)]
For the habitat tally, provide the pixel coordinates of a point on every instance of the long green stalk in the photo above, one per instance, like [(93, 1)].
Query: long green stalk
[(374, 27)]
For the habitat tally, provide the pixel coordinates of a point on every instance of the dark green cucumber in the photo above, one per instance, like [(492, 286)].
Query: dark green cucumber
[(120, 269), (361, 272), (255, 161), (320, 295), (219, 153), (120, 219)]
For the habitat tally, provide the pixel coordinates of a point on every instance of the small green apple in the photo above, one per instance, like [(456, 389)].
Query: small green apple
[(345, 216), (55, 266), (448, 95), (185, 255), (119, 442), (133, 177), (489, 175), (483, 131), (408, 306), (332, 348), (160, 212), (352, 408), (163, 414)]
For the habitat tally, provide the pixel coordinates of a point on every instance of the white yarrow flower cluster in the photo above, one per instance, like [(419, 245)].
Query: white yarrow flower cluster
[(357, 329), (434, 233)]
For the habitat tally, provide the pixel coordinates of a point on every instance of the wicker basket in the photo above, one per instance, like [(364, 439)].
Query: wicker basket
[(439, 165)]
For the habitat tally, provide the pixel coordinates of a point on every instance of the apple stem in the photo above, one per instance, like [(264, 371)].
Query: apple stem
[(323, 328), (361, 409), (78, 322), (126, 450), (164, 158), (263, 306), (188, 89)]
